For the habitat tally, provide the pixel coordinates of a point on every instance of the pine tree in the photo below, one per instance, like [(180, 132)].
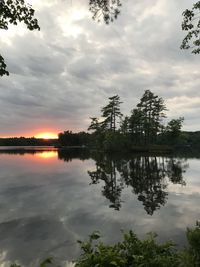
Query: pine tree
[(152, 108), (111, 112), (136, 125)]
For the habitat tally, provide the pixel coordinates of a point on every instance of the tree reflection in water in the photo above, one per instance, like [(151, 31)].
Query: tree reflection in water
[(106, 171), (147, 175), (73, 153)]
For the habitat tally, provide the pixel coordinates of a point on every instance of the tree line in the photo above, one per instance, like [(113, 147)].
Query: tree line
[(27, 141)]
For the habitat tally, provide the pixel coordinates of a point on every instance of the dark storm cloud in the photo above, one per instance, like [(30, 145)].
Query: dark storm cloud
[(63, 74)]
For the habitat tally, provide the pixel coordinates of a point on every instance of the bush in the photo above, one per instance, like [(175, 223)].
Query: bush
[(130, 252), (133, 252)]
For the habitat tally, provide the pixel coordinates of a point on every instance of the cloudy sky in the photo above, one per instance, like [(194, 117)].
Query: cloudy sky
[(64, 74)]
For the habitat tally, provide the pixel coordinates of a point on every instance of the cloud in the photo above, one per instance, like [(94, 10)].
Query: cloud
[(62, 75)]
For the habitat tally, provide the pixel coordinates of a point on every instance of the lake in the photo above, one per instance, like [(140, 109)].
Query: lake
[(49, 199)]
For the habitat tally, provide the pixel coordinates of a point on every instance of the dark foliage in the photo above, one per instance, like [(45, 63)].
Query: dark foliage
[(191, 24), (68, 138), (106, 9), (143, 128), (23, 141), (135, 252)]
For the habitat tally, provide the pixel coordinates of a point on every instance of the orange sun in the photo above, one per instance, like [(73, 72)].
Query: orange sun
[(47, 135)]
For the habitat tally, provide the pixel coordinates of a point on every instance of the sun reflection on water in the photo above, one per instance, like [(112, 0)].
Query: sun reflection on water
[(47, 154)]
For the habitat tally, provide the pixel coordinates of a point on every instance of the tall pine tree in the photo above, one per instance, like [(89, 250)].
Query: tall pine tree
[(111, 112)]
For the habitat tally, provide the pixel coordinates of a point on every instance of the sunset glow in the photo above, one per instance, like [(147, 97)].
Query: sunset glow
[(47, 135), (47, 154)]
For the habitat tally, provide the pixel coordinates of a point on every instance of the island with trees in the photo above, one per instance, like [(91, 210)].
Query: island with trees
[(146, 129)]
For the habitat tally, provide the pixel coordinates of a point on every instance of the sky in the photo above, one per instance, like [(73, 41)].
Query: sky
[(64, 74)]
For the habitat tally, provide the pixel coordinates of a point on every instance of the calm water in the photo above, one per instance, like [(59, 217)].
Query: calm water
[(50, 199)]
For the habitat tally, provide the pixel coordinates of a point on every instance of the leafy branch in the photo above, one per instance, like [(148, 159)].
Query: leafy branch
[(191, 24)]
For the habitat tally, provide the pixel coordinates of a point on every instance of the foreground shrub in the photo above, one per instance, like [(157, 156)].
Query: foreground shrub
[(130, 252), (134, 252)]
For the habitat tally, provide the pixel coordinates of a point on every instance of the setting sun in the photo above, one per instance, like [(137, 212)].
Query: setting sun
[(47, 135)]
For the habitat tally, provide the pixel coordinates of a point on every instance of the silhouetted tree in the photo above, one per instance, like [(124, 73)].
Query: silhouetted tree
[(98, 133), (124, 127), (95, 125), (136, 122), (173, 129), (68, 138), (111, 112), (152, 110), (191, 24)]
